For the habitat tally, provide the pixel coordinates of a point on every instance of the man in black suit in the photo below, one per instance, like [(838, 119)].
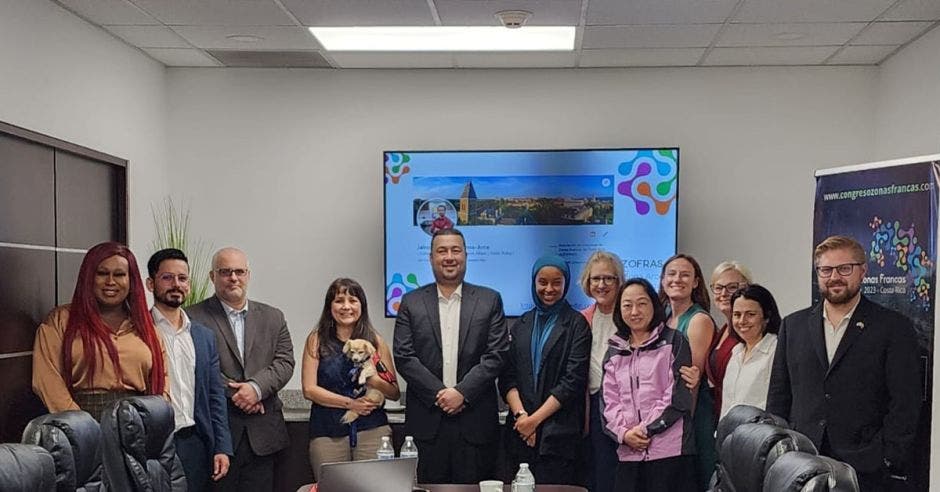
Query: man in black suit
[(450, 345), (846, 372), (257, 359)]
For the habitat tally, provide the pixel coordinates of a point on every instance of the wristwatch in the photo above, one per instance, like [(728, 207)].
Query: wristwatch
[(519, 414)]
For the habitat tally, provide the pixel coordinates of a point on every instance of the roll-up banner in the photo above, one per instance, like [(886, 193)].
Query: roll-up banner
[(891, 209)]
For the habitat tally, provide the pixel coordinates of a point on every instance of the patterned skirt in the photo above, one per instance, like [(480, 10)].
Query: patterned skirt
[(97, 401)]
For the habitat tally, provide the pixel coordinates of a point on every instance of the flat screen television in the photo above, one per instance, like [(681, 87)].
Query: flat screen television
[(514, 206)]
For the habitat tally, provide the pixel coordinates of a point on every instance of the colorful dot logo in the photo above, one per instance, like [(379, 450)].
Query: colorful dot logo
[(395, 166), (398, 288), (648, 190), (900, 248)]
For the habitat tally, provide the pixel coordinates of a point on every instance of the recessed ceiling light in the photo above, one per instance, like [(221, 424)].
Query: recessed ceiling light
[(789, 36), (445, 38), (244, 38)]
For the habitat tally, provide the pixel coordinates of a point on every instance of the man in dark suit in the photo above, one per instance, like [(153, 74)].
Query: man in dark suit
[(257, 360), (450, 345), (846, 372), (203, 442)]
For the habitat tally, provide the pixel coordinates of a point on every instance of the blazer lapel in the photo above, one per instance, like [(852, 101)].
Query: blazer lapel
[(252, 319), (852, 332), (818, 336), (468, 303), (434, 312), (523, 331), (225, 328)]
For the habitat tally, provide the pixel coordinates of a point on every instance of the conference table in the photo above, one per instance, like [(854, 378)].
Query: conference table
[(476, 488)]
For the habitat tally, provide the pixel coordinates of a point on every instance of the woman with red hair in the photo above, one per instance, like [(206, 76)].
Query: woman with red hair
[(103, 346)]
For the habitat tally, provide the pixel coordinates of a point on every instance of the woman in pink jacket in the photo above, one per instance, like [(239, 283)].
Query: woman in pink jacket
[(647, 406)]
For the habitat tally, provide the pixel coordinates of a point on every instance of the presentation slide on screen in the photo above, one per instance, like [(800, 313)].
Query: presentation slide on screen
[(514, 206)]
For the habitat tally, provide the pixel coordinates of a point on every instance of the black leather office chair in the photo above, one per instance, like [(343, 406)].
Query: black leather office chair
[(137, 446), (737, 416), (73, 439), (748, 452), (26, 468), (804, 472)]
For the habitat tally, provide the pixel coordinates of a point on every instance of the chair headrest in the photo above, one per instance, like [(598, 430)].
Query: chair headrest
[(143, 423), (745, 453), (73, 439), (804, 472), (744, 414), (26, 467)]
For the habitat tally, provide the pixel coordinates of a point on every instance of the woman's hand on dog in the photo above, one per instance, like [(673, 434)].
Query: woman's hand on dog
[(362, 406)]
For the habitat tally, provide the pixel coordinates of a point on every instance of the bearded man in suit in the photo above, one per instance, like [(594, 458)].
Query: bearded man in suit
[(450, 344), (846, 372)]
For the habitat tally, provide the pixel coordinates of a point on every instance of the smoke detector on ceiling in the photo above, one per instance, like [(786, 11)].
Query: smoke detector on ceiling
[(513, 19)]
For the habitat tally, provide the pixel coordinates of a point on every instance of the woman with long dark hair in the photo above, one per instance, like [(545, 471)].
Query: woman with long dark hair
[(685, 294), (327, 381), (102, 346)]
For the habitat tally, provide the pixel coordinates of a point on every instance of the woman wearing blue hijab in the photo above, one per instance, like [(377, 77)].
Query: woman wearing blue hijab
[(545, 378)]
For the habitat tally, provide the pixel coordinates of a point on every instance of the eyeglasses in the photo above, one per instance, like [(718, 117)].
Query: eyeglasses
[(730, 288), (227, 272), (603, 279), (844, 269), (170, 277)]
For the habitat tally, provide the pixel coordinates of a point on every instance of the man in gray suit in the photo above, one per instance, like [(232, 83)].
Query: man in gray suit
[(450, 345), (257, 359)]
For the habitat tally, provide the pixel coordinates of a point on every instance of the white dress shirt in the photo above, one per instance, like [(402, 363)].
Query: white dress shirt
[(449, 310), (747, 381), (834, 333), (181, 356), (236, 319), (602, 328)]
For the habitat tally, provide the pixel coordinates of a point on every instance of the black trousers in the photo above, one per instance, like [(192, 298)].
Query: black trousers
[(449, 458), (248, 471), (666, 475), (193, 454)]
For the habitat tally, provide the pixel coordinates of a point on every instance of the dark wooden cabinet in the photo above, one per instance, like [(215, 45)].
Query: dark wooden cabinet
[(57, 199)]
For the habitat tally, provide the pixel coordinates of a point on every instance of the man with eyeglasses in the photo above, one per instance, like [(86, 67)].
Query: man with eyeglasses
[(256, 359), (846, 372), (202, 437)]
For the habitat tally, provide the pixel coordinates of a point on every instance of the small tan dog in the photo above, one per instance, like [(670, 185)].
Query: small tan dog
[(360, 353)]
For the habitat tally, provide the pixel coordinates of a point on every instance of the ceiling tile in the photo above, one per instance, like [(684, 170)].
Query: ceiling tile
[(861, 55), (109, 12), (915, 10), (176, 57), (515, 60), (268, 37), (361, 12), (619, 12), (658, 36), (781, 55), (216, 12), (482, 13), (811, 10), (641, 57), (272, 59), (802, 34), (891, 32), (149, 36), (360, 59)]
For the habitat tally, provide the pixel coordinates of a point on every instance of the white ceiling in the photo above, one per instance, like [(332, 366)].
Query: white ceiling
[(611, 33)]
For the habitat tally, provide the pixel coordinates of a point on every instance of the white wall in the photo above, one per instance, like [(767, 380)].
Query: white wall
[(907, 123), (287, 164), (907, 118), (67, 79)]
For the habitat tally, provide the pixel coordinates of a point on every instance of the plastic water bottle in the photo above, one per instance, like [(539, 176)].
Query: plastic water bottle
[(386, 451), (525, 480), (408, 449)]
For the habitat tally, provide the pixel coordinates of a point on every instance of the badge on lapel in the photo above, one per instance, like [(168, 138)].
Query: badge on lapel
[(860, 325)]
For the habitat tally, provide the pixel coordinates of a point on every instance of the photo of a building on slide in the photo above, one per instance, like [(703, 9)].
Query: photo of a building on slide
[(519, 200)]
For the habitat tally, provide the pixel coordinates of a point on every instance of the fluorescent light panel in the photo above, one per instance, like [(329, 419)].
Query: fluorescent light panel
[(446, 38)]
